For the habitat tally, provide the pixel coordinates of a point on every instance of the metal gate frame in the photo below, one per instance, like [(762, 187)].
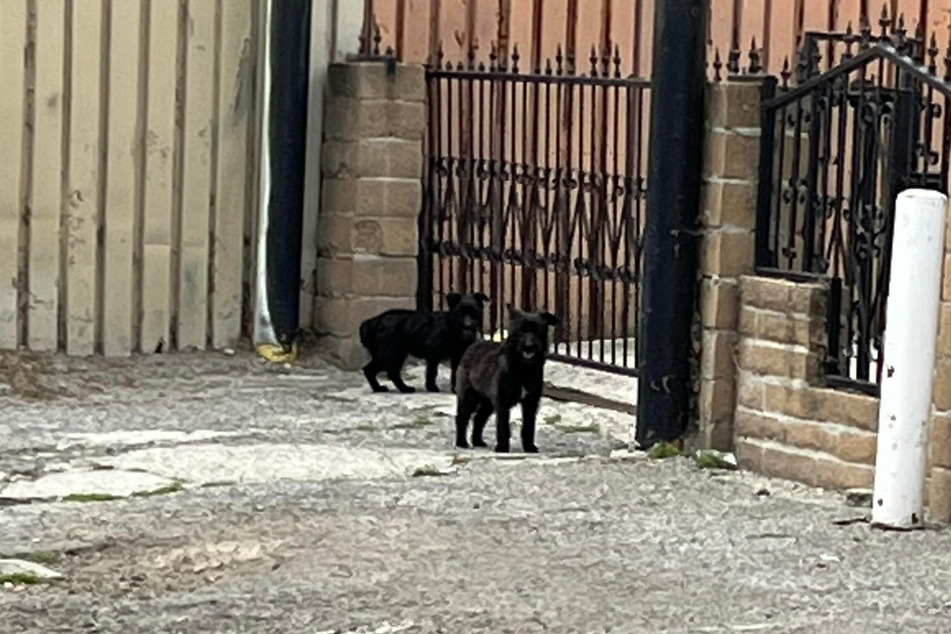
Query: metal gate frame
[(836, 150), (535, 194)]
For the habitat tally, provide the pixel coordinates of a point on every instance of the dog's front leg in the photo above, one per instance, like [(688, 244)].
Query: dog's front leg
[(503, 429), (465, 405), (432, 371), (529, 412)]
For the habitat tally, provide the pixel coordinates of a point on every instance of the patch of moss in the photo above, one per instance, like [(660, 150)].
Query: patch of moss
[(44, 557), (418, 423), (429, 471), (365, 428), (168, 489), (90, 497), (218, 483), (580, 429), (663, 450), (709, 459), (21, 579), (554, 419)]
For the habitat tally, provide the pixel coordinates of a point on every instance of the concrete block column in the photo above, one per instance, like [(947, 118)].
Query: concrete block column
[(367, 236), (939, 491), (728, 219)]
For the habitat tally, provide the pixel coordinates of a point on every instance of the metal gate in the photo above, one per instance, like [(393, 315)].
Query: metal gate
[(837, 149), (535, 195)]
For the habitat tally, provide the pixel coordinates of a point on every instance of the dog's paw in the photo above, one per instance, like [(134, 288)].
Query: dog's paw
[(380, 389), (461, 444), (501, 449), (408, 390), (530, 449), (478, 442), (432, 388)]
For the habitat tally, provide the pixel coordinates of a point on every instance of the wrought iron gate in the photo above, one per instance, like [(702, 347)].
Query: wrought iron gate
[(535, 195), (837, 148)]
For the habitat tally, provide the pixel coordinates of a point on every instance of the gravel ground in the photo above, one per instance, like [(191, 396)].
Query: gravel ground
[(297, 510)]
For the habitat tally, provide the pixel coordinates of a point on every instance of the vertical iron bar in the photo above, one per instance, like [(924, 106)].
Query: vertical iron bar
[(577, 228), (424, 295), (443, 171), (640, 221), (558, 204), (777, 214), (811, 203), (794, 186), (825, 135), (495, 197), (856, 225), (464, 131), (453, 211), (617, 225), (512, 207), (765, 193), (549, 205), (628, 227)]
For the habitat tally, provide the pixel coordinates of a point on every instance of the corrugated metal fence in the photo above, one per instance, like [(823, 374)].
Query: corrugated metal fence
[(126, 189)]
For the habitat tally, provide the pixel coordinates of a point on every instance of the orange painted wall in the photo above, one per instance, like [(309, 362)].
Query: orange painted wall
[(538, 27)]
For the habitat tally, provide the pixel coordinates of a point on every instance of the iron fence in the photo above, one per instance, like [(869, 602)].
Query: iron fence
[(535, 195), (837, 148)]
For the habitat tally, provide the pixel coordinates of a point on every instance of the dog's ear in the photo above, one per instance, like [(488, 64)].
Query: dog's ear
[(482, 298), (550, 319), (452, 299), (513, 312)]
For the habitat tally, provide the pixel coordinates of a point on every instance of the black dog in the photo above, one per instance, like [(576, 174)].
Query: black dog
[(392, 336), (494, 377)]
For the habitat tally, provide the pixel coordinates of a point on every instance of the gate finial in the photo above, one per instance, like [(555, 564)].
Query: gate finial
[(755, 66), (884, 21)]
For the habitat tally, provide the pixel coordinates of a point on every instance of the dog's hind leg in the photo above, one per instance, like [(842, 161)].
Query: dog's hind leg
[(394, 368), (370, 371), (529, 412), (478, 422), (465, 405)]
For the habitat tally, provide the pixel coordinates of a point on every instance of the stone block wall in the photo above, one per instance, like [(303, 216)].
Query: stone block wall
[(787, 424), (372, 166)]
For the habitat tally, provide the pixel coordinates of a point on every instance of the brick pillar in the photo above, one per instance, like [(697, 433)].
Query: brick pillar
[(728, 218), (367, 232), (939, 493)]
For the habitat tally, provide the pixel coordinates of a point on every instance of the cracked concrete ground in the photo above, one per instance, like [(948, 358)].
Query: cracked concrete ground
[(243, 498)]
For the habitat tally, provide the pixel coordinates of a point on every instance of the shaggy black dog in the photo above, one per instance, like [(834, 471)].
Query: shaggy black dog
[(392, 336), (495, 377)]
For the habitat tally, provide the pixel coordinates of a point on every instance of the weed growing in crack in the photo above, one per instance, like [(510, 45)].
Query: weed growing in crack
[(90, 497)]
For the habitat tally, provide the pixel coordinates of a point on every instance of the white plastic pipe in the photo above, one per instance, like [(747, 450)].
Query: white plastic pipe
[(911, 334)]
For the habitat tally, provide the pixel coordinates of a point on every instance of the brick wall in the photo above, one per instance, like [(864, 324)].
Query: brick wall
[(787, 424), (762, 391), (372, 165)]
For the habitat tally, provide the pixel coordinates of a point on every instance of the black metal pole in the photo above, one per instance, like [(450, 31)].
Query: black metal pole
[(673, 200), (285, 135)]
